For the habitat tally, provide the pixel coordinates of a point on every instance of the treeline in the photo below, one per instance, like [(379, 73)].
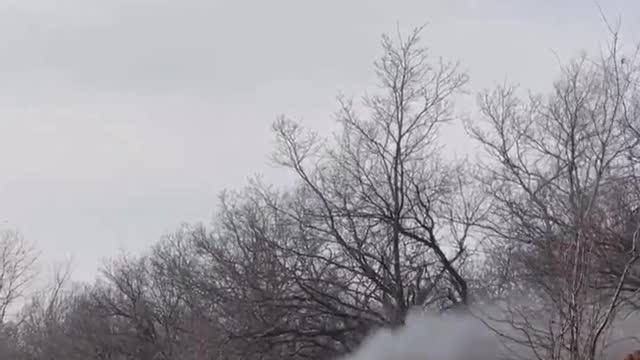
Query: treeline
[(378, 224)]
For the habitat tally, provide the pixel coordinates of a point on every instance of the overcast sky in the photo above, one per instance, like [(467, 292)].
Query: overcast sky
[(121, 119)]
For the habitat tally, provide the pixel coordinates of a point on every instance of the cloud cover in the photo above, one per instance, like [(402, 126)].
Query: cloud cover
[(121, 119)]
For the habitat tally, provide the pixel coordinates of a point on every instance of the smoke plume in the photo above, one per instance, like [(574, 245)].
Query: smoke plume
[(431, 337), (462, 336)]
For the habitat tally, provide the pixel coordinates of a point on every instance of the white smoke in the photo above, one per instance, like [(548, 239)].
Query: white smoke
[(431, 337), (463, 336)]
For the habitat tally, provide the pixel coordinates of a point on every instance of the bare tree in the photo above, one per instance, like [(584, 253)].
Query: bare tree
[(554, 167), (125, 299), (379, 207), (258, 304), (42, 331), (17, 269)]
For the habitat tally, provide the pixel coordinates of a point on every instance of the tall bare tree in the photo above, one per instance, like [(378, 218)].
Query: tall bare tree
[(379, 206), (560, 172)]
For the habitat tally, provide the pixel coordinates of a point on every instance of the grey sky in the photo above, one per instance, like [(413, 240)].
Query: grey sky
[(121, 119)]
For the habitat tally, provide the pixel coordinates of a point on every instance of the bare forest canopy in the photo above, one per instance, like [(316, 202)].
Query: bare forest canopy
[(544, 227)]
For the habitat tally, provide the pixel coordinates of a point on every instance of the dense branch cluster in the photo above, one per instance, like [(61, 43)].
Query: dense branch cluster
[(545, 225)]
